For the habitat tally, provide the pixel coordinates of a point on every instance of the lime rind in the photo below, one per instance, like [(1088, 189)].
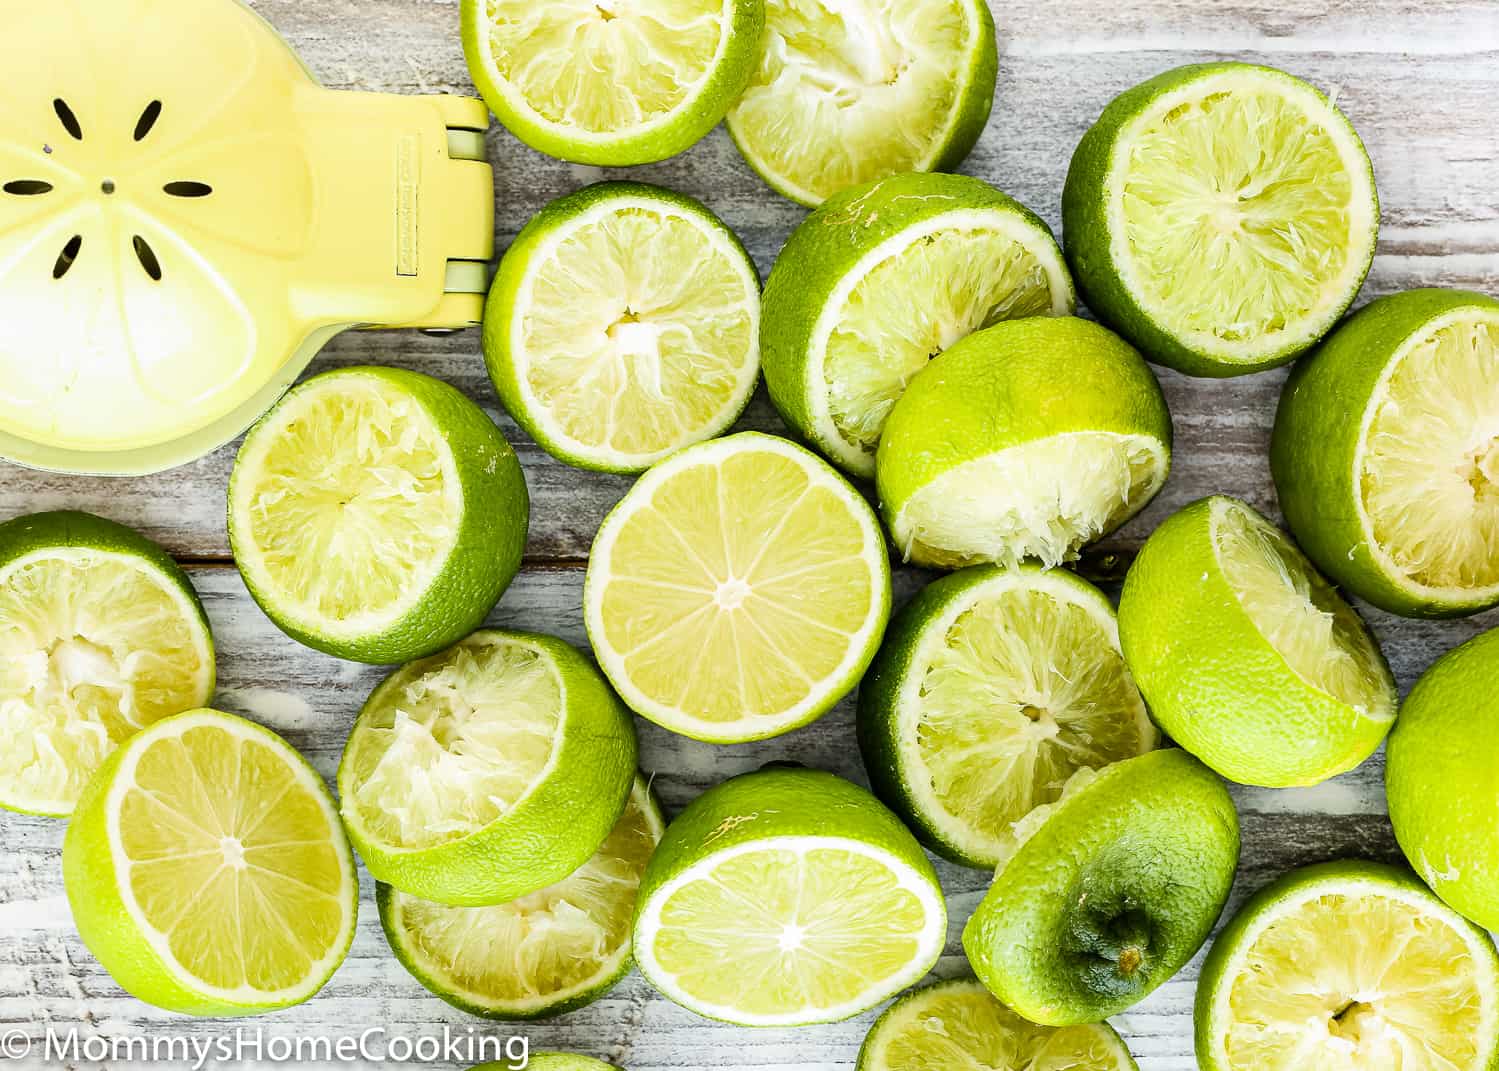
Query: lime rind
[(895, 271), (556, 928), (863, 68), (938, 1026), (1334, 992), (469, 850), (378, 540), (110, 918), (1055, 715), (83, 662), (821, 488), (586, 281), (1288, 265), (645, 112)]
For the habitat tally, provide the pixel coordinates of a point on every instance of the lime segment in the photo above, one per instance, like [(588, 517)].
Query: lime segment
[(101, 634), (1349, 967), (544, 954), (207, 869), (993, 689), (959, 1025), (851, 92), (624, 325), (738, 591)]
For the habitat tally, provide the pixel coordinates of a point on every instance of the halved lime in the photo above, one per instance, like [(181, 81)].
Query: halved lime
[(787, 897), (1108, 892), (611, 82), (1029, 439), (377, 514), (548, 1061), (1247, 657), (547, 953), (1221, 216), (624, 325), (207, 869), (992, 690), (739, 590), (959, 1025), (1349, 966), (851, 92), (1386, 453), (486, 772), (1440, 780), (881, 279), (101, 634)]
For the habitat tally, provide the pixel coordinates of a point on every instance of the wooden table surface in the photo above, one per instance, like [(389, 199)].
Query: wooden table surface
[(1419, 79)]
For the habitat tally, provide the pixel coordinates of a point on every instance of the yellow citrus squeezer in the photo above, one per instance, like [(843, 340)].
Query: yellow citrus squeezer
[(187, 217)]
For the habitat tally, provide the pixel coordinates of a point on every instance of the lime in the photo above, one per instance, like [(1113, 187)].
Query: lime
[(486, 772), (1348, 966), (1026, 440), (1109, 892), (624, 325), (847, 93), (959, 1025), (549, 1061), (207, 869), (1247, 657), (992, 689), (1441, 781), (738, 591), (377, 514), (1386, 453), (880, 280), (611, 82), (547, 953), (787, 897), (101, 634), (1221, 216)]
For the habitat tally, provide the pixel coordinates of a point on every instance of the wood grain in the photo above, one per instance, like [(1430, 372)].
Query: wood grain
[(1418, 78)]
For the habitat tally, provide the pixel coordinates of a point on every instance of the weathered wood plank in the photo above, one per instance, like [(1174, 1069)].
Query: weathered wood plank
[(47, 977)]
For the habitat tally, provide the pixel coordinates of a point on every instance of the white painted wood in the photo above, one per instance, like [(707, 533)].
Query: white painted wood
[(1418, 78)]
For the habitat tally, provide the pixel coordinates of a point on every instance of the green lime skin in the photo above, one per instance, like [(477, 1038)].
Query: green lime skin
[(1315, 446), (684, 128), (72, 528), (1014, 383), (878, 716), (1442, 781), (1088, 236), (105, 924), (1112, 896), (485, 557), (1214, 684), (1337, 876), (550, 1061), (820, 254), (528, 847), (500, 311)]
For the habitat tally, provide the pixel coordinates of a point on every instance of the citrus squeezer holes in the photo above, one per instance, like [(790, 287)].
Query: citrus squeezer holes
[(68, 119), (188, 189), (147, 120), (27, 187), (68, 256), (147, 257)]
